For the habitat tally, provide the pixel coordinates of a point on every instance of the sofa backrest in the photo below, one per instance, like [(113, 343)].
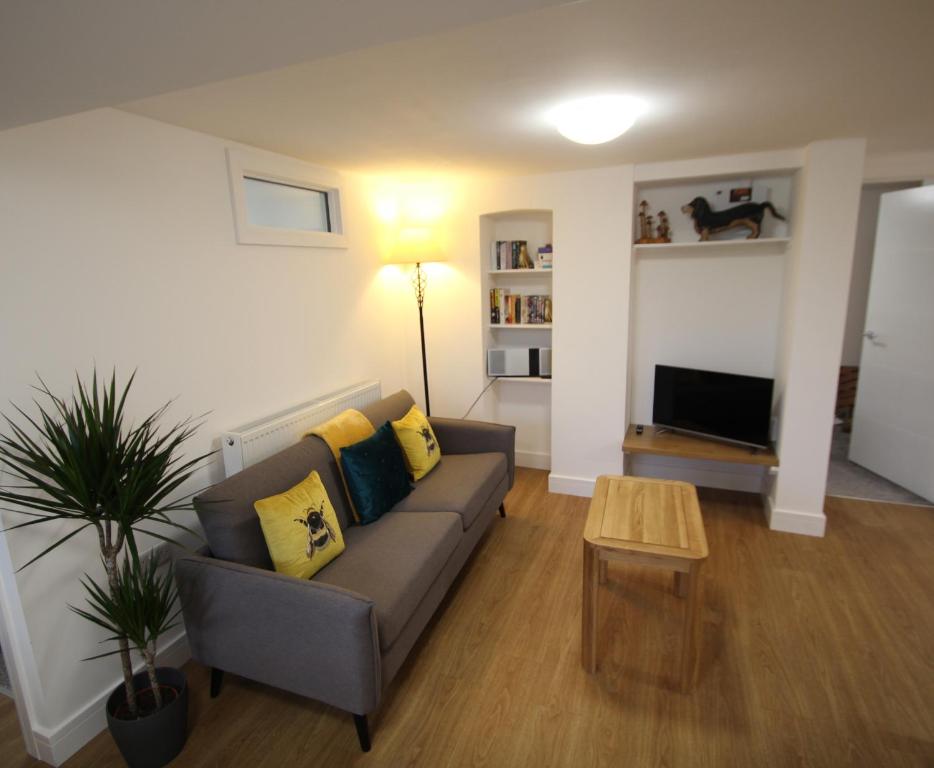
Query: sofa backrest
[(390, 408), (231, 525)]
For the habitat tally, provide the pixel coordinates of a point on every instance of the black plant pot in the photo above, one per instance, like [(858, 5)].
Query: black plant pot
[(154, 740)]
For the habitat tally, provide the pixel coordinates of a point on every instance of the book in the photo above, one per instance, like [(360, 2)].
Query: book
[(545, 257)]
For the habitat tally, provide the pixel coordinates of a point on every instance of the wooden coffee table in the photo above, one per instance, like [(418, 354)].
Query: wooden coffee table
[(645, 522)]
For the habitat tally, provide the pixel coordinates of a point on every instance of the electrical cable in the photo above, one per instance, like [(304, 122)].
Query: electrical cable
[(482, 393)]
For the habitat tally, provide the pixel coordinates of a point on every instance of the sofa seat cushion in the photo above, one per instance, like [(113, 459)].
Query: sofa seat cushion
[(461, 483), (394, 561)]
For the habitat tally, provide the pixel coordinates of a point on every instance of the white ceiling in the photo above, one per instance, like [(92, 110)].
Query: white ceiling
[(722, 76), (63, 56)]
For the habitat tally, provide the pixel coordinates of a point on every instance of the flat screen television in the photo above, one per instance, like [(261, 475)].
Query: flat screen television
[(725, 406)]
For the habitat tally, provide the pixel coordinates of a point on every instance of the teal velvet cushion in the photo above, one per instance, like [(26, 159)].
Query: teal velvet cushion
[(375, 472)]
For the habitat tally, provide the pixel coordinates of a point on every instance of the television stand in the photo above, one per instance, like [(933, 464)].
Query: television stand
[(664, 442)]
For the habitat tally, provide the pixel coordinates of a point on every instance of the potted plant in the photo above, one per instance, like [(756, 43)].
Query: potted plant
[(80, 460)]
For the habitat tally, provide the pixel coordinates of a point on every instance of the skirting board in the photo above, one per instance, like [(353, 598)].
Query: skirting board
[(571, 486), (56, 746), (533, 459), (792, 521)]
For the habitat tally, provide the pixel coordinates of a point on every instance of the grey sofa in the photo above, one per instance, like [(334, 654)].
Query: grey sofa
[(341, 636)]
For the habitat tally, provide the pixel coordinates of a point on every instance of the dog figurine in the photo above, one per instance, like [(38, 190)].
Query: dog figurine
[(708, 221)]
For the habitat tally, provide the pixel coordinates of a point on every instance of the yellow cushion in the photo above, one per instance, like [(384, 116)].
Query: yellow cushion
[(301, 528), (347, 428), (419, 445)]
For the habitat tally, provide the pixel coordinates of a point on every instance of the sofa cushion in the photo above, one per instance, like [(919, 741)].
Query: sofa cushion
[(300, 528), (419, 445), (375, 473), (461, 483), (394, 562), (231, 525)]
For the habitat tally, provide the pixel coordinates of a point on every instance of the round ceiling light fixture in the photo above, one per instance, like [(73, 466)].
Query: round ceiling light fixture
[(596, 119)]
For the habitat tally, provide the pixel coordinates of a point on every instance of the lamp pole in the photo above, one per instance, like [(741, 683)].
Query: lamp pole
[(419, 282)]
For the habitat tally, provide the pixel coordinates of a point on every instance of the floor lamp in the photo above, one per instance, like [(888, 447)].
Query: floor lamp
[(417, 245)]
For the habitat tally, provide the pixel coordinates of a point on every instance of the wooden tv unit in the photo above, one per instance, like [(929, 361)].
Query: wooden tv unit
[(688, 447)]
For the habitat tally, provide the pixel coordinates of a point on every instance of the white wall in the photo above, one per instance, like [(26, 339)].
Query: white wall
[(592, 239), (899, 166), (817, 288), (862, 269), (118, 249)]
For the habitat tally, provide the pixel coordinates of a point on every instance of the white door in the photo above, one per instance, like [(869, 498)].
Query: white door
[(893, 422)]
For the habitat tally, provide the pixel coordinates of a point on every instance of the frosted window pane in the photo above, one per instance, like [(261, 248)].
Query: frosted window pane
[(270, 204)]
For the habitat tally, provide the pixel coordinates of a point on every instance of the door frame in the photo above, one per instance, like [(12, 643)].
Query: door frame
[(17, 650)]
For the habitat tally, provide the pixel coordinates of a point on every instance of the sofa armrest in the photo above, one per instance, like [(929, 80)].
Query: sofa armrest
[(313, 639), (462, 436)]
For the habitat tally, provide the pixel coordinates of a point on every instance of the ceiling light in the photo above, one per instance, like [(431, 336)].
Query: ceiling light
[(596, 119)]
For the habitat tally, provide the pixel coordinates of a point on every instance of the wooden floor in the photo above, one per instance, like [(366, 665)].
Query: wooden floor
[(815, 652)]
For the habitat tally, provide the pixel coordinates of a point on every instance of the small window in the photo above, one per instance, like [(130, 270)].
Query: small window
[(286, 206), (278, 200)]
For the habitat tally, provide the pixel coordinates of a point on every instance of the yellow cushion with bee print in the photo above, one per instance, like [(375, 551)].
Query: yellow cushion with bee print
[(419, 445), (301, 528)]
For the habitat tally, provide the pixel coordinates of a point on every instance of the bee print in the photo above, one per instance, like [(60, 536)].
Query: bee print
[(430, 443), (320, 532)]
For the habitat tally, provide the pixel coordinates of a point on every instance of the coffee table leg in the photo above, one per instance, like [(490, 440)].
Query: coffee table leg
[(681, 584), (692, 627), (591, 577)]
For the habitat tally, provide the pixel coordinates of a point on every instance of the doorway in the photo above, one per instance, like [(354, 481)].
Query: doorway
[(871, 401), (5, 689)]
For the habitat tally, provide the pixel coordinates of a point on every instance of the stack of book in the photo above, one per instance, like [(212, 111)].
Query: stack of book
[(545, 257), (513, 309), (504, 254)]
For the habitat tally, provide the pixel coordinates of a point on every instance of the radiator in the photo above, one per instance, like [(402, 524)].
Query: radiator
[(262, 438)]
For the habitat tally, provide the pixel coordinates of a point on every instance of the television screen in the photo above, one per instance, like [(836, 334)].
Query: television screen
[(723, 405)]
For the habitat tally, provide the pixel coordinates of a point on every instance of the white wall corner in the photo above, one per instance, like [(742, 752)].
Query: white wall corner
[(533, 459), (571, 486), (56, 745), (792, 521)]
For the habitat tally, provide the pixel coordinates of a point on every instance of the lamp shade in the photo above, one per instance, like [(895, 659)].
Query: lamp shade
[(415, 245)]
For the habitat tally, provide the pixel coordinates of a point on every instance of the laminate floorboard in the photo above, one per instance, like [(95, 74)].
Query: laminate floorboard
[(815, 652)]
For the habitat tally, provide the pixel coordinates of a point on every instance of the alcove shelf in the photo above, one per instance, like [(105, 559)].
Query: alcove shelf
[(762, 243), (520, 272), (666, 443), (524, 379), (521, 326)]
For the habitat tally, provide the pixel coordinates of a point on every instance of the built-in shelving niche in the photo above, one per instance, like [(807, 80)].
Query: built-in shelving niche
[(777, 189), (716, 305), (522, 401)]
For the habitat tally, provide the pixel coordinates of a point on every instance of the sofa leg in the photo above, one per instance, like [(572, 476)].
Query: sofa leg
[(502, 510), (363, 731), (217, 680)]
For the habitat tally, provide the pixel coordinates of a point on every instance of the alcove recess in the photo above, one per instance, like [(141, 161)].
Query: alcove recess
[(523, 401), (716, 305)]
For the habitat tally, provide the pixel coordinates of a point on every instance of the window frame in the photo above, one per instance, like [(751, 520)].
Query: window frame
[(278, 169)]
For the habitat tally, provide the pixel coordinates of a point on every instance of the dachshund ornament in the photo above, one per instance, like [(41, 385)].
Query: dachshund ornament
[(708, 221)]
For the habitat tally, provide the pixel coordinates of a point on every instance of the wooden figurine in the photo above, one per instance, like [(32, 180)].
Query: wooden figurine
[(647, 231), (644, 233), (708, 221), (663, 233)]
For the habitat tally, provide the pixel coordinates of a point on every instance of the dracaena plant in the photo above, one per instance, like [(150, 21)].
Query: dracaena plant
[(139, 606), (81, 460)]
